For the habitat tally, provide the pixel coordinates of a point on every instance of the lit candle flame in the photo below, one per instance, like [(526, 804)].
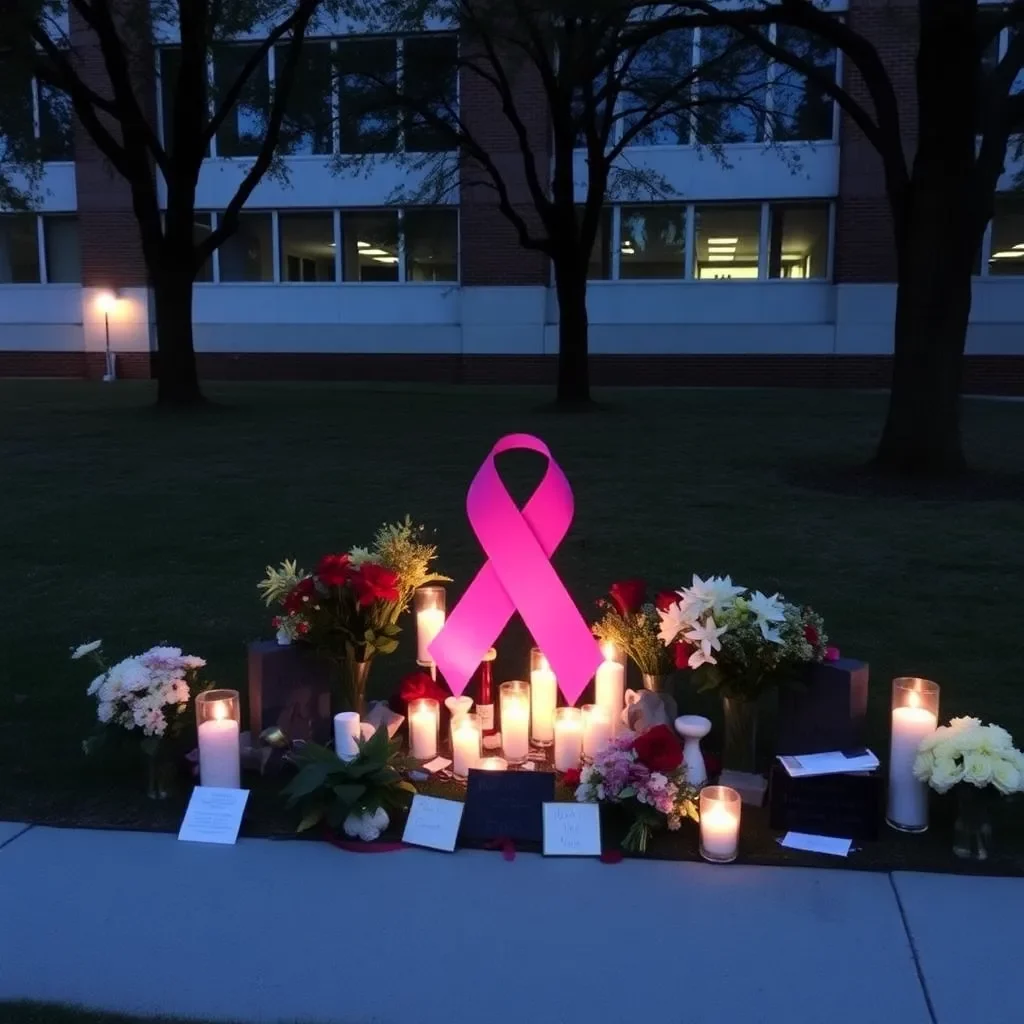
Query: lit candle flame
[(220, 710), (914, 699), (609, 651)]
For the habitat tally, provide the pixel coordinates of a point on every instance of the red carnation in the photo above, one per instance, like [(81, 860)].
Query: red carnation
[(628, 596), (334, 570), (681, 651), (299, 596), (373, 582), (665, 599), (419, 684), (302, 628), (571, 777), (659, 749), (811, 635)]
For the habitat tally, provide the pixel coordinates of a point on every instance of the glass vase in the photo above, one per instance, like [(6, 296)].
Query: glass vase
[(354, 674), (739, 751), (656, 684), (972, 829), (159, 769)]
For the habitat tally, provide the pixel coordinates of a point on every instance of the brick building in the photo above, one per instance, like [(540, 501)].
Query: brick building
[(774, 266)]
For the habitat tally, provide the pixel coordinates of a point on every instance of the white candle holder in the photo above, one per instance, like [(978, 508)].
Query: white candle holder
[(597, 730), (568, 738), (720, 812), (424, 719), (515, 720), (217, 723), (610, 684), (465, 735), (915, 715), (429, 606), (543, 699)]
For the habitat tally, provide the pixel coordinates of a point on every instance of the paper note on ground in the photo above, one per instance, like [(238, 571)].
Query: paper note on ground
[(436, 765), (817, 844), (433, 822), (832, 763), (572, 830), (213, 815)]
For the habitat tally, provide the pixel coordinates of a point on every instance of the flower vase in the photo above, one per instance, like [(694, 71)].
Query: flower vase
[(972, 830), (159, 769), (354, 674), (739, 752), (656, 684)]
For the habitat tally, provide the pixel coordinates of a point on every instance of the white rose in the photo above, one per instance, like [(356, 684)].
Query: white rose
[(924, 764), (946, 774), (964, 722), (1006, 777), (999, 738), (977, 769), (933, 738), (583, 794)]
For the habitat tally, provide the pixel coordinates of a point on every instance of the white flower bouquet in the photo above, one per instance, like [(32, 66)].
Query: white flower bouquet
[(965, 752)]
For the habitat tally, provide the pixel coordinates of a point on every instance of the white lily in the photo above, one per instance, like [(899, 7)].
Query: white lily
[(766, 611), (716, 593), (706, 636)]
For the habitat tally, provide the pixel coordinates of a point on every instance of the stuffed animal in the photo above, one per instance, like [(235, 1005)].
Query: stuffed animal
[(646, 709)]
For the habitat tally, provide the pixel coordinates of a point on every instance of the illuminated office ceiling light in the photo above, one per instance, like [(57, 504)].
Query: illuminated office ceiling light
[(374, 252), (720, 259), (386, 259), (723, 241), (720, 249), (1008, 254), (362, 245)]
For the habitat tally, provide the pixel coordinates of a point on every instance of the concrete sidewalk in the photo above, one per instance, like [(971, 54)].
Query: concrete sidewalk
[(279, 931)]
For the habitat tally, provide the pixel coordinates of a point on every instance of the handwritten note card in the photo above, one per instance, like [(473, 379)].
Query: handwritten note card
[(433, 822), (213, 815), (572, 830)]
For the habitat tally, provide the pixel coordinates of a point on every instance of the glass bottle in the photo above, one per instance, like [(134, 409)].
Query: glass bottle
[(484, 689)]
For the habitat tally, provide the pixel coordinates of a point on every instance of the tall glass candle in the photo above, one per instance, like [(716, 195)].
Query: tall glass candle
[(568, 738), (465, 744), (720, 809), (217, 717), (543, 697), (429, 606), (610, 684), (515, 720), (346, 732), (424, 715), (597, 730), (915, 715)]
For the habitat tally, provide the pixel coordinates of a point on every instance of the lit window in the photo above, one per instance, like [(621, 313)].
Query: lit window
[(599, 267), (55, 132), (727, 242), (431, 245), (308, 122), (370, 246), (429, 74), (733, 87), (653, 242), (655, 72), (368, 70), (63, 256), (248, 255), (242, 131), (19, 249), (202, 226), (1007, 248), (307, 246), (798, 247), (801, 110)]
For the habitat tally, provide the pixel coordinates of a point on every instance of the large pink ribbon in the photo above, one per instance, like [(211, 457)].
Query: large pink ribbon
[(518, 575)]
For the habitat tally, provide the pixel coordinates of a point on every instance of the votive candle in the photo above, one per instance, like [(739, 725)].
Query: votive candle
[(720, 809), (465, 744), (568, 738), (429, 606), (915, 715), (220, 762), (346, 733), (492, 764), (543, 698), (424, 715), (515, 720), (610, 684), (597, 730)]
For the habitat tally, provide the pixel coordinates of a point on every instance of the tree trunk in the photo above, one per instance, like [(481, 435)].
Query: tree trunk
[(177, 379), (573, 361)]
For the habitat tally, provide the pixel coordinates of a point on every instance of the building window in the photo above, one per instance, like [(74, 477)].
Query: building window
[(429, 73), (653, 242), (733, 88), (248, 255), (370, 243), (63, 254), (727, 242), (202, 227), (55, 131), (308, 125), (307, 245), (243, 130), (1006, 249), (19, 249), (599, 267), (654, 73), (801, 110), (431, 245), (798, 244), (368, 71)]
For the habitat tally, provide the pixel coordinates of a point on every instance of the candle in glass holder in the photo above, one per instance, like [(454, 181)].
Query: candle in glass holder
[(568, 738), (720, 809), (610, 684), (492, 764), (543, 698), (915, 715), (346, 732), (515, 720), (217, 717), (424, 714), (429, 606), (465, 744), (597, 730)]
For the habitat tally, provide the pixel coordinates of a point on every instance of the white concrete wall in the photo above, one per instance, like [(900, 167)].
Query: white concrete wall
[(41, 318)]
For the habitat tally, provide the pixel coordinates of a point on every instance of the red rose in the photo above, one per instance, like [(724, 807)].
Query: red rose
[(334, 570), (302, 628), (681, 651), (628, 596), (373, 582), (665, 599), (811, 635), (419, 684), (299, 597), (659, 749), (571, 777)]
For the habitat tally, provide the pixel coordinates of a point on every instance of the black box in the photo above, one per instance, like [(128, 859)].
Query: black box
[(290, 687), (846, 806), (825, 710)]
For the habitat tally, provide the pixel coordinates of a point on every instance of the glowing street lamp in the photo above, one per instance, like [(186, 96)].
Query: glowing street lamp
[(106, 303)]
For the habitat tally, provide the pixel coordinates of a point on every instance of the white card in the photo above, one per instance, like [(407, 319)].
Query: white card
[(817, 844), (834, 762), (572, 830), (433, 822), (436, 765), (213, 815)]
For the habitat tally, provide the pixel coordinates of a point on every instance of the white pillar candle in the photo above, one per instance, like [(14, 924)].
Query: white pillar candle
[(719, 832), (423, 723), (908, 798), (515, 721), (610, 686), (568, 738), (597, 730), (544, 699), (219, 753), (346, 731), (429, 623), (465, 744)]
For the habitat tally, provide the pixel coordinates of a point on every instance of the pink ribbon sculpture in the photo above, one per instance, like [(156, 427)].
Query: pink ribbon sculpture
[(518, 576)]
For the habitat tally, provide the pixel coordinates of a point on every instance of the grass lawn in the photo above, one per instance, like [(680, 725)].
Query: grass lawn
[(138, 527)]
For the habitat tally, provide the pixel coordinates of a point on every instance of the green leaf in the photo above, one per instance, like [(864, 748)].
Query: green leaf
[(349, 792), (392, 629), (307, 782), (312, 817), (406, 785), (368, 636)]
